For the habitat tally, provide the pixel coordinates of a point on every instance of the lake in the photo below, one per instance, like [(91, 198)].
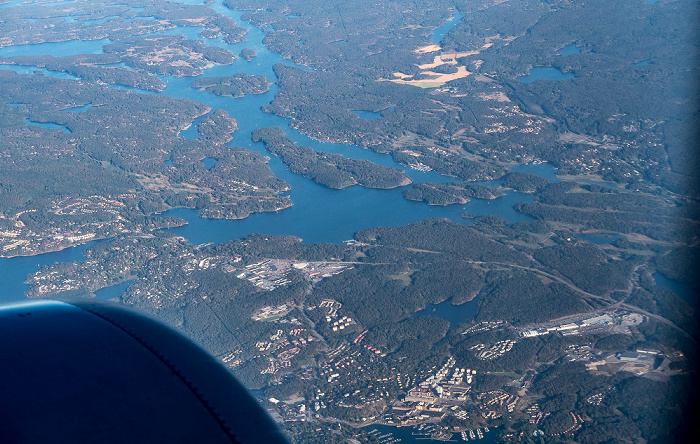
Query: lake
[(599, 238), (113, 291), (685, 291), (569, 50), (318, 214), (454, 314), (440, 32), (49, 125)]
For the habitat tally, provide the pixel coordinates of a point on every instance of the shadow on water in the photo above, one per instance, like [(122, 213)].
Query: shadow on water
[(685, 291)]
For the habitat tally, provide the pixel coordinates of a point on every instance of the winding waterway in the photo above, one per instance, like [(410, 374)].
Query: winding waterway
[(318, 214)]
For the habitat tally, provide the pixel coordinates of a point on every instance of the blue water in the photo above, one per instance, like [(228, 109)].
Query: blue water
[(189, 133), (318, 214), (440, 32), (49, 125), (544, 169), (14, 271), (11, 4), (112, 292), (341, 214), (368, 115), (56, 49), (544, 73), (63, 3), (79, 109), (686, 291), (454, 314), (208, 162), (28, 69), (599, 238), (569, 50)]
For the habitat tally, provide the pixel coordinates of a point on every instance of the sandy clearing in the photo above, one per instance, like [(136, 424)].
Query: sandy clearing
[(498, 96), (427, 49), (449, 57), (437, 61), (438, 80), (455, 54)]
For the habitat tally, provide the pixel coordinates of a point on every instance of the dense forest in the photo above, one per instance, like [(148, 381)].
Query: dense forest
[(126, 164), (490, 113), (565, 318), (328, 169), (233, 86), (449, 193)]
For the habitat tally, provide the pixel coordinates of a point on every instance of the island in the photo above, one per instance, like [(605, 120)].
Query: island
[(247, 54), (328, 169), (233, 86), (571, 319), (449, 193), (90, 182)]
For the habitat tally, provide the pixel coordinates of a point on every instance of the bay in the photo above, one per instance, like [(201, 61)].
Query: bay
[(56, 49), (685, 291), (442, 31), (27, 69), (113, 291), (14, 271), (318, 214)]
